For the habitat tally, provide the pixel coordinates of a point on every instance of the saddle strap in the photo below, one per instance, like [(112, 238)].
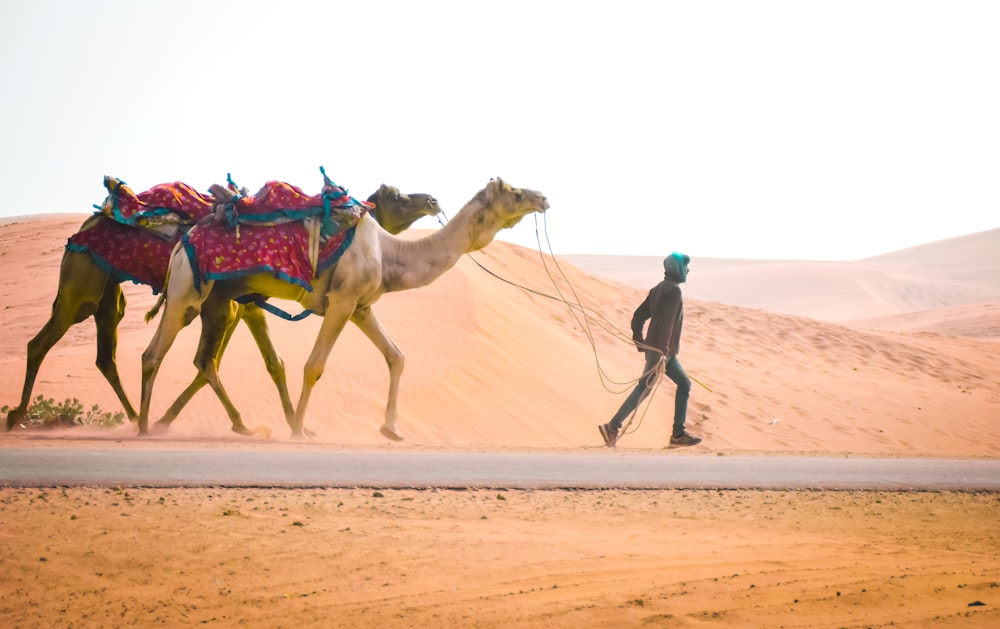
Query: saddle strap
[(260, 302)]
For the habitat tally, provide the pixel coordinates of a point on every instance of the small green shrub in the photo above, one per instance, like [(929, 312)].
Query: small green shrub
[(46, 412)]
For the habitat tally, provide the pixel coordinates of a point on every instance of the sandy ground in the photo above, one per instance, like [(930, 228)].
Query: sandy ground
[(492, 366), (398, 558)]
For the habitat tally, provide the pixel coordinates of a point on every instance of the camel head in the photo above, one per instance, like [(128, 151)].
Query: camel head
[(502, 206), (395, 211), (512, 204)]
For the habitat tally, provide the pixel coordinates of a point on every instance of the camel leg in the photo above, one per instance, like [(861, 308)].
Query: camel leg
[(256, 321), (199, 381), (81, 286), (218, 320), (163, 424), (181, 307), (171, 323), (365, 319), (61, 319), (334, 320), (109, 314)]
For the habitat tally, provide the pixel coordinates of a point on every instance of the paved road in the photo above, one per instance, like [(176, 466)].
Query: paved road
[(39, 467)]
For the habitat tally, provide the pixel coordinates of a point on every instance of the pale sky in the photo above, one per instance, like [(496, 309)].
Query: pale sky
[(831, 130)]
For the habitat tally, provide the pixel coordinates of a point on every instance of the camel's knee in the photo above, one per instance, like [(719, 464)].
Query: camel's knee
[(106, 365), (208, 373), (395, 360), (39, 346), (275, 366), (150, 364), (312, 374), (204, 361), (190, 314)]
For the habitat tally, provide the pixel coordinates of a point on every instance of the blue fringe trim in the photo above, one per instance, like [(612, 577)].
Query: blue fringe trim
[(118, 274), (193, 260), (336, 255), (263, 268)]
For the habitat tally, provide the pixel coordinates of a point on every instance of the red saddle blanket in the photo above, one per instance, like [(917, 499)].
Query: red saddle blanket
[(127, 253), (218, 253), (281, 201), (218, 250), (265, 233), (151, 206)]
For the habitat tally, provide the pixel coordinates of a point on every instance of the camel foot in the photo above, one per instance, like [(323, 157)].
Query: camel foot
[(390, 433), (161, 427), (240, 429), (15, 417), (303, 433)]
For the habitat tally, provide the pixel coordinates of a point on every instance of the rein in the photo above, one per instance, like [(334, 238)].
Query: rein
[(602, 321)]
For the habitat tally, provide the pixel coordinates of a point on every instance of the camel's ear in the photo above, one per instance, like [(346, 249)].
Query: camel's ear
[(391, 192)]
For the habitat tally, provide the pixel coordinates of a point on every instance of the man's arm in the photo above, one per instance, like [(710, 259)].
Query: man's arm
[(639, 318), (670, 307)]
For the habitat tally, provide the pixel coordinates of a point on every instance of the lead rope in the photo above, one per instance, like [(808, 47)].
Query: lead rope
[(602, 321), (654, 372)]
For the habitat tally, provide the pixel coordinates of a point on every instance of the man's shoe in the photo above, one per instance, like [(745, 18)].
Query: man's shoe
[(609, 434), (684, 439)]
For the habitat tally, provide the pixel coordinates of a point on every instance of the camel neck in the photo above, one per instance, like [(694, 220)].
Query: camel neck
[(416, 263)]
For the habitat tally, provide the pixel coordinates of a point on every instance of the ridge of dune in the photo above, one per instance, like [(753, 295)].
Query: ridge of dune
[(946, 274), (489, 364)]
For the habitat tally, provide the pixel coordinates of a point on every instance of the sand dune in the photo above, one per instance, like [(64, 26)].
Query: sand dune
[(946, 274), (494, 365)]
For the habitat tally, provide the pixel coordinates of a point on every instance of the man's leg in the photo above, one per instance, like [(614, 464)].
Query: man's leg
[(676, 373), (628, 406)]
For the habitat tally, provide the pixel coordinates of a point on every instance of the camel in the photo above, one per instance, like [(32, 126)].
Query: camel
[(87, 290), (376, 263)]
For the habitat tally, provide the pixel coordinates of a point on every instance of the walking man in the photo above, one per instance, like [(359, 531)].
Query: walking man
[(664, 309)]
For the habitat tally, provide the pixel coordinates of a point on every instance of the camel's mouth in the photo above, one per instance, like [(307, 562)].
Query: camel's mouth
[(542, 202)]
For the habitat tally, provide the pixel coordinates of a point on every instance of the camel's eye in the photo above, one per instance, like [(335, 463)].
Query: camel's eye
[(519, 195)]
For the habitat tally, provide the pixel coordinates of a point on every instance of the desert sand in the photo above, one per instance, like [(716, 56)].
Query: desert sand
[(902, 362)]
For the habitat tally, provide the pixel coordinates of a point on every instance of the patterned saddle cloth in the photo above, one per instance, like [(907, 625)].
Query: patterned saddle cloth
[(279, 230), (127, 253), (279, 202), (166, 203), (138, 232)]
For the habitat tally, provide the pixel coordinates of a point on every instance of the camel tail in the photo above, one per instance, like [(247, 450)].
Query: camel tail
[(155, 310)]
